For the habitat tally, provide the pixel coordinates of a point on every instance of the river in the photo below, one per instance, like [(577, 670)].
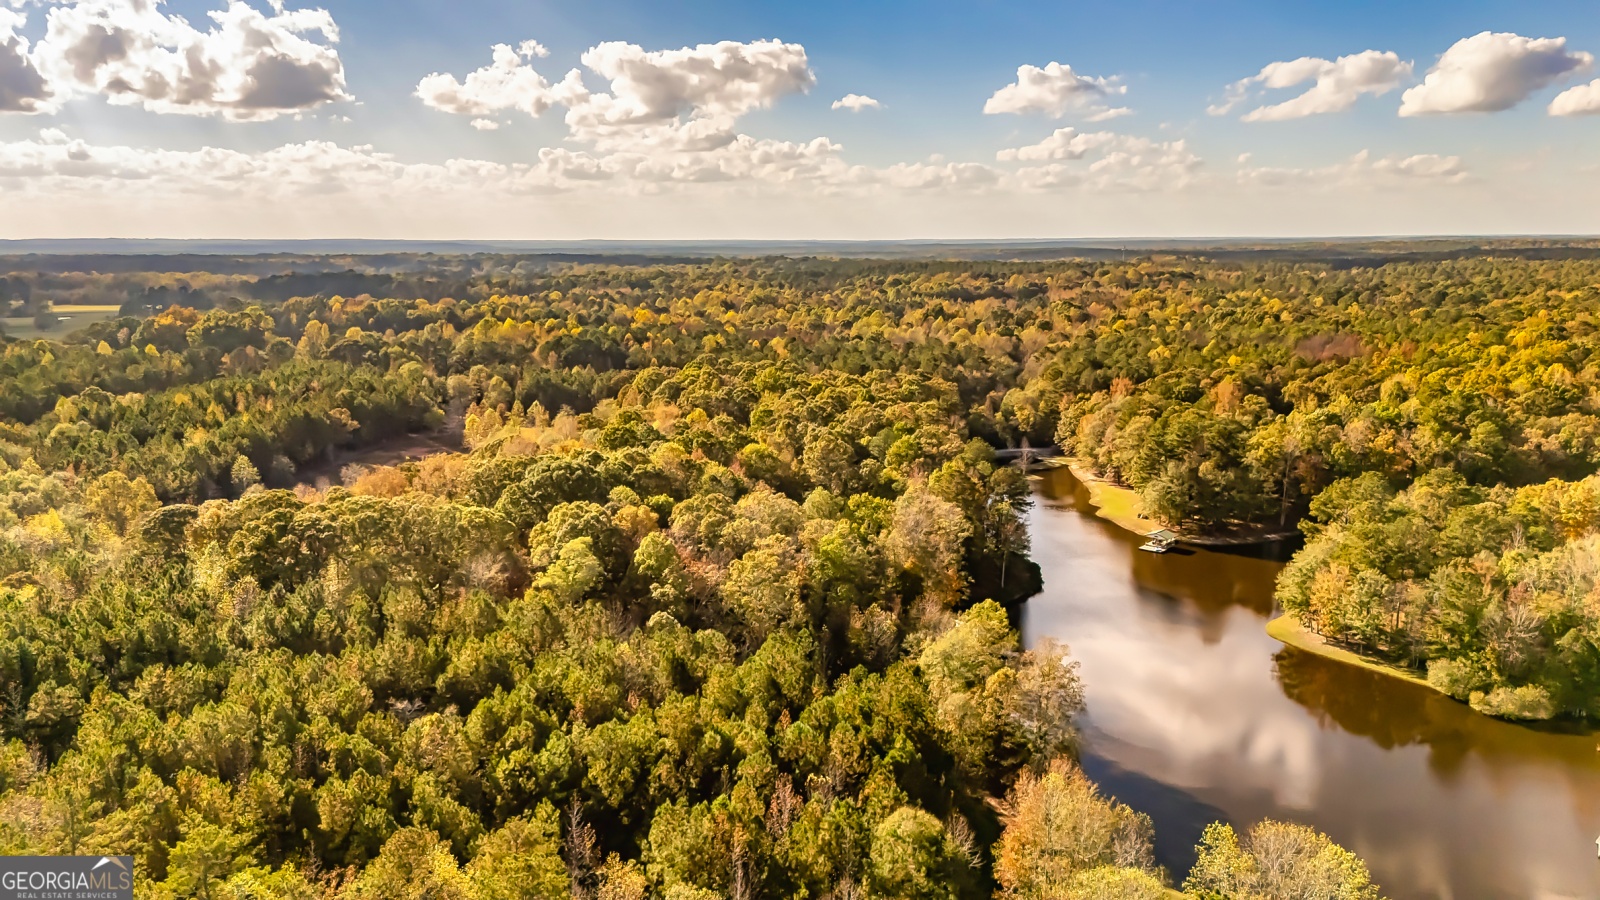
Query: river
[(1196, 715)]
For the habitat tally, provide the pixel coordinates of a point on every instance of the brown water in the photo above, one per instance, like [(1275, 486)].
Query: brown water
[(1196, 715)]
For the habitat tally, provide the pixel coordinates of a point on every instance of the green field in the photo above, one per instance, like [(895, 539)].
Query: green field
[(72, 318)]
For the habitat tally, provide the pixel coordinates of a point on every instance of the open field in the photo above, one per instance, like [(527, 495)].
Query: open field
[(72, 316)]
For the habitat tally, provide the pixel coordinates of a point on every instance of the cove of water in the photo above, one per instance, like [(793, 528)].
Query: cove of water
[(1196, 715)]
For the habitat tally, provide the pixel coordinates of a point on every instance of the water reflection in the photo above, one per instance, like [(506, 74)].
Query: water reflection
[(1195, 714)]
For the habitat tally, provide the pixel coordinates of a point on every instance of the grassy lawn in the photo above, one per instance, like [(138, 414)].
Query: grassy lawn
[(1287, 629), (72, 316), (1114, 502)]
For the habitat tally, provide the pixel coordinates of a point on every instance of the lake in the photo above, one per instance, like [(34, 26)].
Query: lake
[(1195, 715)]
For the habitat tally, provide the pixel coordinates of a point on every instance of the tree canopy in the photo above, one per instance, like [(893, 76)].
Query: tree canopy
[(707, 595)]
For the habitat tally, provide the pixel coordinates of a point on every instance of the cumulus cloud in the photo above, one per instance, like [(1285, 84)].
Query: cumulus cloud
[(663, 115), (485, 124), (1117, 162), (1582, 100), (506, 83), (1361, 170), (249, 66), (856, 103), (722, 79), (22, 88), (1064, 143), (744, 159), (937, 173), (1492, 71), (678, 101), (1335, 85), (1054, 91)]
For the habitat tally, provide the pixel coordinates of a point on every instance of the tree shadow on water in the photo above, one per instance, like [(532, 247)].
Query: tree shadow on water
[(1179, 816), (1395, 714)]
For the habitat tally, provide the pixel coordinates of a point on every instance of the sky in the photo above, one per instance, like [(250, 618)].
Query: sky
[(668, 119)]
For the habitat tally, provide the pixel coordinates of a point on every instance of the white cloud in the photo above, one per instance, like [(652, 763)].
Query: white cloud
[(684, 100), (506, 83), (1423, 165), (1119, 162), (1336, 85), (1360, 171), (1577, 101), (53, 159), (54, 162), (939, 174), (54, 184), (664, 116), (1065, 143), (485, 124), (1492, 71), (722, 79), (744, 159), (575, 166), (1105, 115), (247, 67), (1053, 90), (22, 88), (856, 103)]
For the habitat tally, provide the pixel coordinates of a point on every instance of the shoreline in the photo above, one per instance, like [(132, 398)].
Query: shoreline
[(1116, 504), (1286, 630), (1121, 507)]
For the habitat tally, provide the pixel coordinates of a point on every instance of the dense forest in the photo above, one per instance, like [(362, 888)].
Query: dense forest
[(1432, 429), (710, 600)]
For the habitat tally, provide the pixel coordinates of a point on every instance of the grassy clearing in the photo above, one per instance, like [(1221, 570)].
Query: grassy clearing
[(72, 316), (73, 308), (1115, 503), (1288, 630)]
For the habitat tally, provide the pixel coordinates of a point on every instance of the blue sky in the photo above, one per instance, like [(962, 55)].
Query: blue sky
[(385, 132)]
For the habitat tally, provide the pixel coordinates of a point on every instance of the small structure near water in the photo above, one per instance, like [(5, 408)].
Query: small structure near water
[(1159, 541)]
